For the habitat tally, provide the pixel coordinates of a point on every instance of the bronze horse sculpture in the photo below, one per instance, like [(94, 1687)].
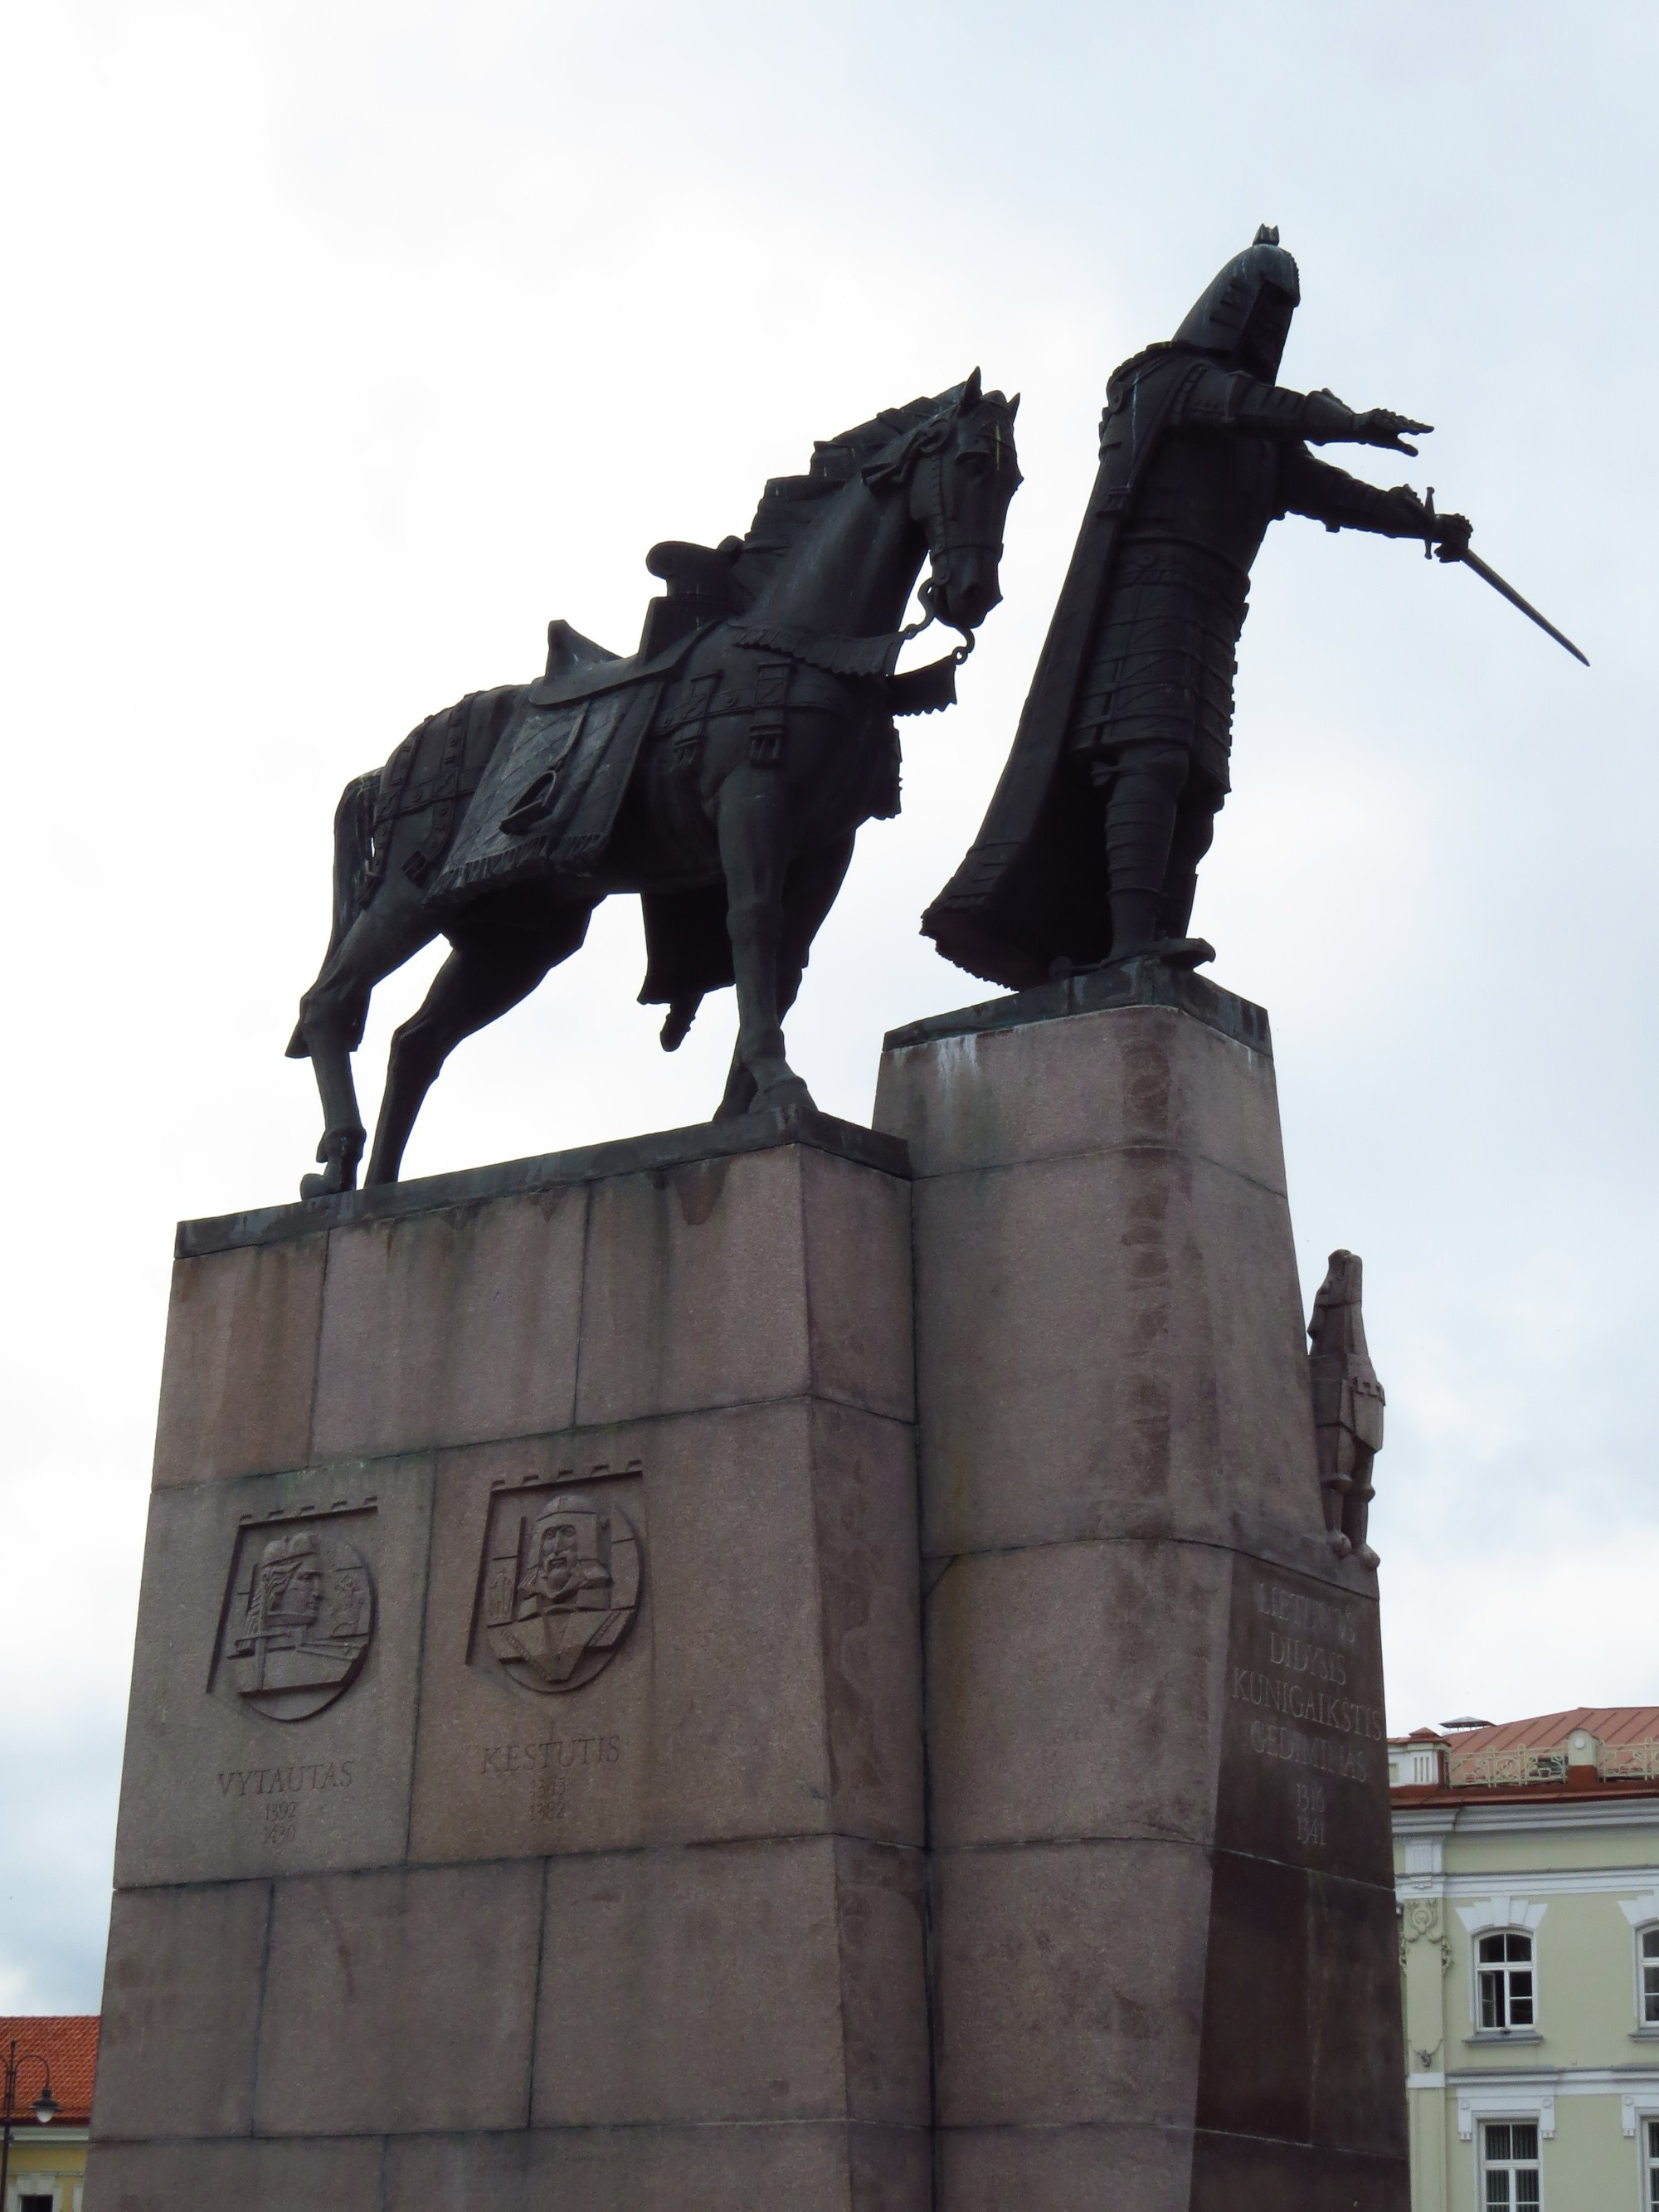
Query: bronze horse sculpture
[(722, 772)]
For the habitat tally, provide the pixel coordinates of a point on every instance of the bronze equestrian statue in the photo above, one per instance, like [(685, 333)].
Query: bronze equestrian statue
[(1091, 849), (722, 771)]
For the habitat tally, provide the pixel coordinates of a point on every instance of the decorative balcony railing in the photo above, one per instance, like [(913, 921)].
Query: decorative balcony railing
[(1514, 1768), (1505, 1770), (1628, 1762)]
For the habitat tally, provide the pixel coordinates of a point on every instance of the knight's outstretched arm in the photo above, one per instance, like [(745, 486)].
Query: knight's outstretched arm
[(1229, 399), (1341, 502)]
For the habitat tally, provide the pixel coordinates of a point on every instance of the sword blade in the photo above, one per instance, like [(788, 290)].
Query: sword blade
[(1490, 576)]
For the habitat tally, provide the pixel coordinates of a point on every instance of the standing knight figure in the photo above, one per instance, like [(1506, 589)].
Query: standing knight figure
[(1090, 852), (1347, 1406)]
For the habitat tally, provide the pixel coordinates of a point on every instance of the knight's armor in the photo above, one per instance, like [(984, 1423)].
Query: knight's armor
[(1152, 726)]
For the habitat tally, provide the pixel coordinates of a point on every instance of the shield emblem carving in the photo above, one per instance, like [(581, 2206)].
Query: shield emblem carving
[(561, 1587)]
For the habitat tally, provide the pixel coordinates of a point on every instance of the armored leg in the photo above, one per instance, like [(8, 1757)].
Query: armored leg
[(1202, 800), (1141, 781), (1356, 1505)]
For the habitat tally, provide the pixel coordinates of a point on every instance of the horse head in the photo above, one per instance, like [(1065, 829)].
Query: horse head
[(960, 468)]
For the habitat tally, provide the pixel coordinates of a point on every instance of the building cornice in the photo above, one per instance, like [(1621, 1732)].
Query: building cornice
[(1515, 1817), (1636, 1883)]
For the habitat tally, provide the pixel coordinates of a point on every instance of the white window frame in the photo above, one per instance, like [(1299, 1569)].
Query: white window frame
[(1646, 2159), (1645, 1935), (1504, 1968), (1488, 2119), (1502, 1916)]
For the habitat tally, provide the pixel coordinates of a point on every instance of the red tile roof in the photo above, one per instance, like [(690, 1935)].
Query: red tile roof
[(1549, 1731), (69, 2044)]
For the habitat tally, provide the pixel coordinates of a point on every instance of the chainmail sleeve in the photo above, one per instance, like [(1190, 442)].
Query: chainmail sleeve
[(1228, 399), (1331, 495)]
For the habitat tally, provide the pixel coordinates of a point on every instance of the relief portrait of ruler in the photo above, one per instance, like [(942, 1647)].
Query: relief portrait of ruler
[(560, 1587), (299, 1618), (1091, 849)]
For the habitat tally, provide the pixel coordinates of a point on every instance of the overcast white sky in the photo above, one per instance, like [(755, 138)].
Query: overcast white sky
[(348, 342)]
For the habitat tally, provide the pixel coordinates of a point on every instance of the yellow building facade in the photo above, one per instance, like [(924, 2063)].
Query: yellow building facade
[(1527, 1866)]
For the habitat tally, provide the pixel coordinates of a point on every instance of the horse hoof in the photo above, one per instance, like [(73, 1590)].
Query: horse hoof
[(786, 1090), (326, 1185)]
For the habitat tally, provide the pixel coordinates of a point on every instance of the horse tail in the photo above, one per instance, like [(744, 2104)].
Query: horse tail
[(354, 847)]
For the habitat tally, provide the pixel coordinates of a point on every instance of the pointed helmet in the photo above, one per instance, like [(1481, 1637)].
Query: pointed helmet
[(1219, 321)]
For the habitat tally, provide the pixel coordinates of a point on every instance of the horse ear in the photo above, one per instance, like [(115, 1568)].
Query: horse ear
[(1014, 407), (972, 393)]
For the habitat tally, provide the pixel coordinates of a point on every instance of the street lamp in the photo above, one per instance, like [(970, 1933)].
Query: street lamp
[(45, 2107)]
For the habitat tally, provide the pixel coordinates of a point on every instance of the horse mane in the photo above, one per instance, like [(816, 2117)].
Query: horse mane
[(789, 505)]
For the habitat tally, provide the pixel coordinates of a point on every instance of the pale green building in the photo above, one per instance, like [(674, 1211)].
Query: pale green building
[(1527, 1861)]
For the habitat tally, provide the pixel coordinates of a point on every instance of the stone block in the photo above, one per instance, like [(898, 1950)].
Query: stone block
[(1354, 2022), (451, 1326), (1237, 2174), (400, 2001), (822, 2167), (345, 2175), (857, 1261), (694, 1292), (182, 1982), (881, 1931), (1107, 1345), (1077, 1690), (1122, 2168), (770, 1685), (240, 1361), (1068, 1985), (663, 2001), (869, 1587), (1257, 2070), (1093, 1083), (213, 1785)]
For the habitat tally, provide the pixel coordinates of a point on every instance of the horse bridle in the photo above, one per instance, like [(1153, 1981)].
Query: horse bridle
[(927, 453)]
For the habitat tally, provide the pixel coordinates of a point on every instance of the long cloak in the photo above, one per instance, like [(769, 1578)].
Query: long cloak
[(1031, 887)]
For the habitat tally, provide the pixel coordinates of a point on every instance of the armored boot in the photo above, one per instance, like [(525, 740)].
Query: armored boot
[(1140, 823)]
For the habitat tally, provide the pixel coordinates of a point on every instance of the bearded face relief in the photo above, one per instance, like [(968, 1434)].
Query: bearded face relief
[(568, 1570), (561, 1582), (298, 1618)]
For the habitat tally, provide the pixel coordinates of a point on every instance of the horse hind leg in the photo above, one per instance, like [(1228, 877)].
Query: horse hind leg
[(332, 1014), (487, 972)]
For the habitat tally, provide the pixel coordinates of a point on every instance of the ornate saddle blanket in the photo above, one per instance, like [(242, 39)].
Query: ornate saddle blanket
[(439, 764)]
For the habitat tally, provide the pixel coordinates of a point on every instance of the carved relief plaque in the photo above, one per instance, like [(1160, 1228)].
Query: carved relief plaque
[(558, 1583), (298, 1616)]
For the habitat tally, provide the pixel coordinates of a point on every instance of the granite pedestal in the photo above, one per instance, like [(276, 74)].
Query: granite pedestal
[(1162, 1896), (522, 1801), (531, 1797)]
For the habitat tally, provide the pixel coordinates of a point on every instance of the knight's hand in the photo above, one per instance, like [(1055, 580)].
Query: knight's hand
[(1452, 533), (1379, 427)]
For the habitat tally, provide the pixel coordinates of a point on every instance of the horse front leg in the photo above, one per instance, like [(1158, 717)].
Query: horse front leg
[(754, 839)]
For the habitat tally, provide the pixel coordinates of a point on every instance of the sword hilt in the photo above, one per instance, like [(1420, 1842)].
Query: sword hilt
[(1428, 535)]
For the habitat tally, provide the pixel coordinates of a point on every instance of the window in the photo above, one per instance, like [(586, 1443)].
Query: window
[(1650, 2137), (34, 2204), (1509, 2165), (1650, 1977), (1504, 1979)]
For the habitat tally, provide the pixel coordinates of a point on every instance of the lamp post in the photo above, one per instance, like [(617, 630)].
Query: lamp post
[(45, 2107)]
